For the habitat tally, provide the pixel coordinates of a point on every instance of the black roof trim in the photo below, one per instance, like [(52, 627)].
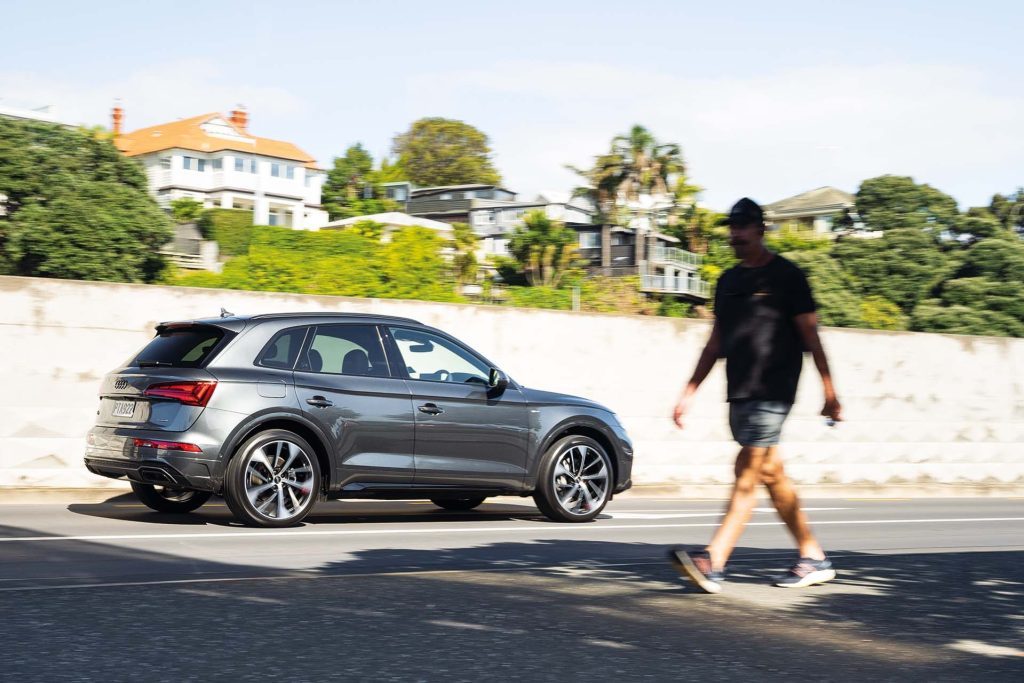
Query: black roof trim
[(326, 314)]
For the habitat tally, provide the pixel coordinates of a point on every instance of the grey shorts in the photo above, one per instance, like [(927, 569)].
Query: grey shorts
[(757, 423)]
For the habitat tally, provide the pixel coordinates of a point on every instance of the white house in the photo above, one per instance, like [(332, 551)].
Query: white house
[(214, 159)]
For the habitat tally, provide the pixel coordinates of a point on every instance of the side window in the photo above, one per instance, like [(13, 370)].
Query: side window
[(430, 357), (283, 349), (346, 350)]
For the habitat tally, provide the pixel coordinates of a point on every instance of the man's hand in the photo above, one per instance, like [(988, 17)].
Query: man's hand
[(832, 409), (679, 414)]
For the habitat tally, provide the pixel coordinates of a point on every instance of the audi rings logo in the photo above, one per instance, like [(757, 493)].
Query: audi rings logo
[(121, 384)]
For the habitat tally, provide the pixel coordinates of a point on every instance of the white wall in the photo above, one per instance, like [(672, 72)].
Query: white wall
[(921, 408)]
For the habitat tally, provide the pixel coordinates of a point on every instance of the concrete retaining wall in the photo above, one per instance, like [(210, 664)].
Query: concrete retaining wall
[(921, 408)]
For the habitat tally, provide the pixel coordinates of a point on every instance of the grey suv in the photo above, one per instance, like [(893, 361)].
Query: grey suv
[(276, 411)]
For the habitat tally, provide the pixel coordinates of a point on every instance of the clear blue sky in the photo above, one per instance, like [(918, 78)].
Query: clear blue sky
[(767, 99)]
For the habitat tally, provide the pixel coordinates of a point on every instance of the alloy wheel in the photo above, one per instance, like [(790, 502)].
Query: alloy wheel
[(580, 479), (279, 480)]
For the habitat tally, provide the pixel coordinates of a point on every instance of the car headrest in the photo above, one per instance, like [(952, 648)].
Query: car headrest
[(355, 363), (316, 361)]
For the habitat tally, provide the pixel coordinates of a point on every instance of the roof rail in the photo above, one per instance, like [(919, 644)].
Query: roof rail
[(326, 314)]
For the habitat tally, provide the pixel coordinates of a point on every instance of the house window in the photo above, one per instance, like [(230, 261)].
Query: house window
[(194, 164), (275, 171), (590, 240), (289, 172), (483, 218), (165, 162), (218, 164), (396, 193)]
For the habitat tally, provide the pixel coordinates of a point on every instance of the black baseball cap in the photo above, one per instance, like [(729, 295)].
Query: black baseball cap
[(744, 212)]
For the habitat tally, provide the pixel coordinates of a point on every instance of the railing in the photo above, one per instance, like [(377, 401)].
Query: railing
[(681, 257), (183, 260), (675, 285)]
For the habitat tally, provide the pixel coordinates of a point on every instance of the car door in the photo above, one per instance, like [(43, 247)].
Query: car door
[(344, 383), (466, 434)]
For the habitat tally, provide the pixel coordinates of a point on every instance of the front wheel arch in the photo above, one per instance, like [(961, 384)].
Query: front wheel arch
[(292, 424), (594, 433)]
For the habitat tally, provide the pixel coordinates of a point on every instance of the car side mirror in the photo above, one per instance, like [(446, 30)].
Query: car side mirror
[(497, 380)]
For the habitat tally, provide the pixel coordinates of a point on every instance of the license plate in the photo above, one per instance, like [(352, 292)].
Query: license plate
[(124, 408)]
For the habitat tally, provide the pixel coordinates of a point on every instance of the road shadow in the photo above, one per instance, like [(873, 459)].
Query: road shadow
[(540, 610)]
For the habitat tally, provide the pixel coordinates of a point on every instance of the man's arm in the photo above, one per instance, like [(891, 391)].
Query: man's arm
[(707, 360), (807, 326)]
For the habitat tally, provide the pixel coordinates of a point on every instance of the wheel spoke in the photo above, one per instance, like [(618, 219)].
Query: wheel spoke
[(561, 471), (583, 459), (303, 487), (602, 474), (257, 491), (260, 458), (281, 511), (265, 505), (295, 501), (564, 500), (293, 452), (585, 490)]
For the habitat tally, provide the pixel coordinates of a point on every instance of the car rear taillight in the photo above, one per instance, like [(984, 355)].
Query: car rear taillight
[(189, 393), (167, 445)]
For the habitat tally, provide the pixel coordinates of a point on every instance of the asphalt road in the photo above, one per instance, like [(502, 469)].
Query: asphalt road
[(927, 590)]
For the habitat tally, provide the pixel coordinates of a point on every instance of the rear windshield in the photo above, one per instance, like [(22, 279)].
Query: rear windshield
[(189, 347)]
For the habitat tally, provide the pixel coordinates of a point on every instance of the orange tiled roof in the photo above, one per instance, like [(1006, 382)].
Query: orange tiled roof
[(188, 134)]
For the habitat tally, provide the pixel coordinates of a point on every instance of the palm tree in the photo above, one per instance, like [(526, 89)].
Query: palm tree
[(638, 176)]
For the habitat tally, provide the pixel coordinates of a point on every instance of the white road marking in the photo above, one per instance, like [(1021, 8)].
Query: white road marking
[(472, 627), (538, 528), (977, 647), (609, 643), (678, 514)]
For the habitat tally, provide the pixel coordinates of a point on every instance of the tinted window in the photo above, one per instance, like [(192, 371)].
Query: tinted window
[(283, 349), (189, 347), (346, 350), (431, 357)]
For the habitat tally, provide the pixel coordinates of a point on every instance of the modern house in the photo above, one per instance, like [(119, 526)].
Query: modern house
[(814, 210), (214, 159), (495, 213)]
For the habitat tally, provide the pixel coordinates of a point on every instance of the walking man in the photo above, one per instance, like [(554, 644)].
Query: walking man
[(764, 320)]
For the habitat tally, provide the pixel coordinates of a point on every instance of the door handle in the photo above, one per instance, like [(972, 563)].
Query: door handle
[(431, 409), (319, 402)]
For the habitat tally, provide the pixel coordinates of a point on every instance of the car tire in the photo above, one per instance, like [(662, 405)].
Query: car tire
[(458, 504), (574, 480), (273, 479), (168, 498)]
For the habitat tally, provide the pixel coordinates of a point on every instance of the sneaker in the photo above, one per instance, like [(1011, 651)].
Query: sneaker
[(696, 566), (807, 572)]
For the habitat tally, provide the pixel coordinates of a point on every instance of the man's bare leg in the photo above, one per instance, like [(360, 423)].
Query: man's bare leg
[(787, 503), (741, 505)]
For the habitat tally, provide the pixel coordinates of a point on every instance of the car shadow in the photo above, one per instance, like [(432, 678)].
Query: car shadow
[(126, 507)]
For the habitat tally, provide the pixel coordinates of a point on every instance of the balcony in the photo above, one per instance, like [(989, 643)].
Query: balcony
[(678, 257), (665, 284)]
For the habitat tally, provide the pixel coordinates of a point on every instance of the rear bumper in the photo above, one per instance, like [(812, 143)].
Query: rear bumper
[(112, 453), (144, 471)]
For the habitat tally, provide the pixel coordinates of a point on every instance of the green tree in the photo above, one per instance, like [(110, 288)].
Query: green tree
[(1009, 210), (896, 202), (231, 229), (464, 261), (838, 303), (186, 210), (75, 207), (903, 266), (353, 187), (639, 178), (978, 223), (544, 249), (439, 151)]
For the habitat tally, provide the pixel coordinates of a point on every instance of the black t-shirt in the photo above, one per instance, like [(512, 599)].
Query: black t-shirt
[(755, 308)]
